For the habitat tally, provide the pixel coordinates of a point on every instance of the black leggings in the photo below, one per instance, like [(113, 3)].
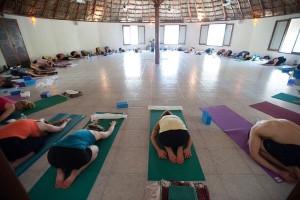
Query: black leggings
[(174, 138), (14, 147), (69, 158)]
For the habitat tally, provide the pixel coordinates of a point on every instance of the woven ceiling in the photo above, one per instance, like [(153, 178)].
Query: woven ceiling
[(144, 11)]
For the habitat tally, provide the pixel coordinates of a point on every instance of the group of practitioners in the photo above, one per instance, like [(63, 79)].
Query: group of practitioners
[(275, 144)]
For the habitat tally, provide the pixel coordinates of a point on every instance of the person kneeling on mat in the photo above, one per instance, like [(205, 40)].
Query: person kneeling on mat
[(76, 152), (277, 142), (172, 134), (21, 139)]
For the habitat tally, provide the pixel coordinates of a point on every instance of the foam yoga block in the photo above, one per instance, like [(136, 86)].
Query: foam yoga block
[(31, 82), (15, 92), (27, 78), (206, 117), (45, 94), (21, 84), (285, 70), (122, 104)]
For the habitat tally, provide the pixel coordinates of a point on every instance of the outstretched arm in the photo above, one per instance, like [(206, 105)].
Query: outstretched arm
[(161, 153), (44, 128), (9, 109), (102, 135)]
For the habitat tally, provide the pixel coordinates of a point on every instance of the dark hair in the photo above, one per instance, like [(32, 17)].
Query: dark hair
[(95, 127), (167, 112), (72, 53)]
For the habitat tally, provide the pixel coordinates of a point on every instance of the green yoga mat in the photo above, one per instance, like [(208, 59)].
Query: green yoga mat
[(51, 138), (39, 105), (159, 169), (286, 97), (81, 187)]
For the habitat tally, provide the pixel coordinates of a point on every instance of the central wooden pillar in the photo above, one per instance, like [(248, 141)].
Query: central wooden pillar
[(156, 5)]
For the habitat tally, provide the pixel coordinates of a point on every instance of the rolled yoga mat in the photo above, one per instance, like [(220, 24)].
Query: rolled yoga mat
[(50, 139), (159, 169), (277, 111), (81, 187), (236, 128), (39, 105), (286, 97)]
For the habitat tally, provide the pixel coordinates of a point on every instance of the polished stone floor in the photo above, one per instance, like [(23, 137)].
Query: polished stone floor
[(187, 80)]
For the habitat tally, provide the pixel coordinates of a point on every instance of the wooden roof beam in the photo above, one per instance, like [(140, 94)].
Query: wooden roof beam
[(262, 8), (142, 9), (33, 8), (173, 8), (111, 7), (213, 6), (3, 5), (224, 11), (67, 11), (56, 8), (271, 6), (135, 10), (43, 12), (283, 6), (180, 9), (20, 9), (232, 11), (252, 8), (189, 9), (196, 10), (86, 9), (77, 11), (104, 10), (94, 12), (119, 9), (240, 8), (203, 9), (127, 11)]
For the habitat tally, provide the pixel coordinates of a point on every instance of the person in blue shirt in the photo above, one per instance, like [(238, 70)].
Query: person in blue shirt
[(76, 152)]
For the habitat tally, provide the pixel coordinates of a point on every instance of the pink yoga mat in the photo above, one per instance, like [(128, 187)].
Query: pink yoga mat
[(277, 111), (15, 97), (236, 128)]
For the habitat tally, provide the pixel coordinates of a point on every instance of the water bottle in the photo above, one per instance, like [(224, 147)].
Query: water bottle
[(23, 116)]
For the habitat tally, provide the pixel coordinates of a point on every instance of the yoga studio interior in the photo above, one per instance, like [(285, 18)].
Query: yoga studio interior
[(150, 99)]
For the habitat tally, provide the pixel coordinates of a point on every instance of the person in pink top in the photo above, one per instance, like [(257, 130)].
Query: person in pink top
[(7, 107)]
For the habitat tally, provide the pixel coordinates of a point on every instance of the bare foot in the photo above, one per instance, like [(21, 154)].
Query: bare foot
[(180, 158), (60, 177), (68, 182), (171, 155)]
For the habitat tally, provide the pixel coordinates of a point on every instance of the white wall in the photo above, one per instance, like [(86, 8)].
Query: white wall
[(49, 37)]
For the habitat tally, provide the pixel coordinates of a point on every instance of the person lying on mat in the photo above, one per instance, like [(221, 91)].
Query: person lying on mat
[(107, 50), (61, 57), (23, 138), (7, 107), (76, 152), (6, 83), (227, 53), (171, 133), (220, 52), (75, 54), (277, 142)]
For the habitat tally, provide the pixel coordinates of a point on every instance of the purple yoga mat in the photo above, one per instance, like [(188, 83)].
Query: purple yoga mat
[(236, 128), (277, 111), (15, 97)]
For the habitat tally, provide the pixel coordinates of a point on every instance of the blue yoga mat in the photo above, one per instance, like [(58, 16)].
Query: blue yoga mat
[(51, 138)]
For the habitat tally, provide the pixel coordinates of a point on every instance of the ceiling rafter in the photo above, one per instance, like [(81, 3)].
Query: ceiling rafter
[(262, 8), (180, 9), (189, 9), (240, 9), (135, 10), (232, 11), (119, 9), (203, 8), (283, 6), (149, 10), (104, 10), (142, 8), (111, 7), (67, 10), (271, 6), (213, 6), (21, 6), (249, 2), (45, 5), (224, 12), (86, 9), (56, 8), (196, 6), (94, 12), (34, 7), (77, 11), (173, 8), (127, 10)]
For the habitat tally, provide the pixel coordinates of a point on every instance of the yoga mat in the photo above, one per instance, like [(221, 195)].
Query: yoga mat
[(277, 111), (81, 187), (51, 138), (286, 97), (237, 130), (39, 105), (159, 169), (15, 97)]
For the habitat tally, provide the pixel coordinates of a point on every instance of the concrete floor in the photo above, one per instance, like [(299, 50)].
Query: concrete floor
[(181, 79)]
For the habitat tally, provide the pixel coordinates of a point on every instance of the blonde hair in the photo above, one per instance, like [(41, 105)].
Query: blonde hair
[(26, 105)]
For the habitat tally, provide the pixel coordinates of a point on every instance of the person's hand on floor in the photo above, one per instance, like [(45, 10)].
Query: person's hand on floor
[(289, 177), (162, 154), (187, 153)]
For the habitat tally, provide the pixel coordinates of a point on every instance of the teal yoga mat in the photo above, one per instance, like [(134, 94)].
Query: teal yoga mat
[(39, 105), (81, 187), (51, 138), (159, 169), (286, 97)]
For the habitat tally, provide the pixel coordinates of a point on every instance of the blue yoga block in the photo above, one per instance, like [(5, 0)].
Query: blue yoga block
[(298, 76), (291, 82), (27, 78), (105, 54), (45, 94), (206, 117), (296, 71), (15, 92), (21, 84), (285, 70), (122, 104), (31, 82)]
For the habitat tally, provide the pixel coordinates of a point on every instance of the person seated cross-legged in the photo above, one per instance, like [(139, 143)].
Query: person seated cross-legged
[(172, 134)]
